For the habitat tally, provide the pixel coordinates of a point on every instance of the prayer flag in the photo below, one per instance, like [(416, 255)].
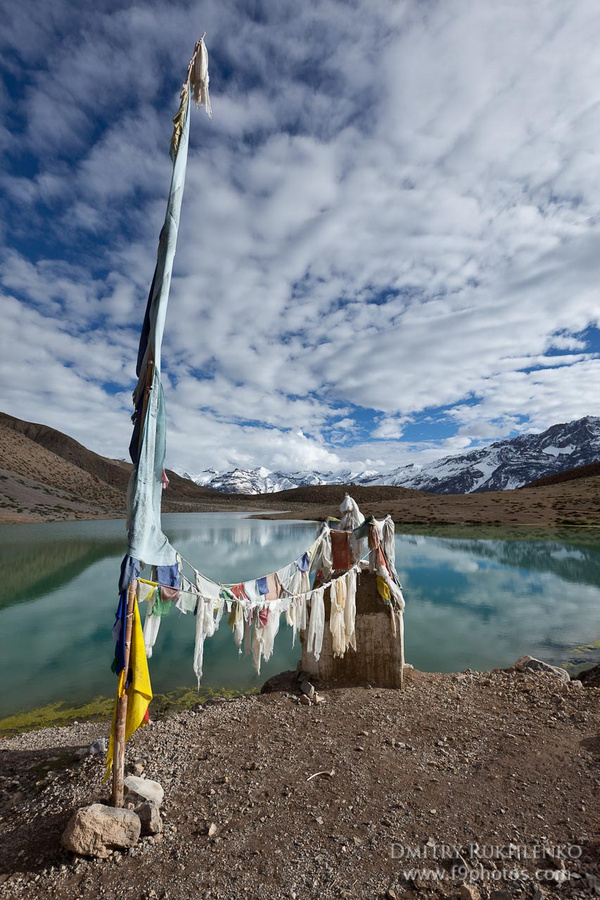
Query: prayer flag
[(147, 449), (136, 683)]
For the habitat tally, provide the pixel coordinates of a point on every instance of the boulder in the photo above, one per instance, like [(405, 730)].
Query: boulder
[(589, 678), (149, 816), (282, 683), (531, 664), (307, 688), (97, 830), (139, 789)]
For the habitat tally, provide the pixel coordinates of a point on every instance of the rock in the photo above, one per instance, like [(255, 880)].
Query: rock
[(140, 789), (285, 681), (530, 663), (81, 752), (307, 688), (99, 746), (304, 699), (149, 816), (391, 894), (589, 678), (318, 698), (212, 829), (469, 892), (97, 830)]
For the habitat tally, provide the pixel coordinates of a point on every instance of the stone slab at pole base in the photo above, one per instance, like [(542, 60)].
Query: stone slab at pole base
[(379, 657)]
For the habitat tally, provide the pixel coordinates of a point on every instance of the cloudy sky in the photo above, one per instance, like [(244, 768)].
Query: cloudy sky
[(390, 239)]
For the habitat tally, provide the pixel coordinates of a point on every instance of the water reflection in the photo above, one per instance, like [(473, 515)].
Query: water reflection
[(31, 571), (470, 602), (58, 597), (482, 603)]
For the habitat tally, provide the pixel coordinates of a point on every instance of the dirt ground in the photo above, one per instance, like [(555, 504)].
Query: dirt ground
[(453, 769)]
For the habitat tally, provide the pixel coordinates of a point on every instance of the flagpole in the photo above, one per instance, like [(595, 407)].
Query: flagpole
[(119, 753), (145, 539)]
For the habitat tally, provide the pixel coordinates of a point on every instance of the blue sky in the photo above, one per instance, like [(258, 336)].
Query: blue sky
[(390, 239)]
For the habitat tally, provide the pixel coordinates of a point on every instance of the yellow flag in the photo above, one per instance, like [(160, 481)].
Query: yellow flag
[(384, 589), (139, 692)]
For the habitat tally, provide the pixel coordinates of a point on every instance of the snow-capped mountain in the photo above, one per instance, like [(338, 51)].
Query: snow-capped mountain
[(506, 464), (510, 463), (255, 481), (264, 481)]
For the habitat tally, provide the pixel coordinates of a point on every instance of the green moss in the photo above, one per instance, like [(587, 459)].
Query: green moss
[(187, 698), (56, 714), (101, 709)]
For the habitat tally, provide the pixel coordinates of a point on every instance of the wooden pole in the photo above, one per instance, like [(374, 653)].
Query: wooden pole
[(401, 637), (119, 748)]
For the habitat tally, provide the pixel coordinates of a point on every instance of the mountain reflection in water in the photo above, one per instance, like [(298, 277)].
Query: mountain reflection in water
[(479, 599)]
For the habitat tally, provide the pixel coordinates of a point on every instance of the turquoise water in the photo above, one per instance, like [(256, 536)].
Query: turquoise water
[(477, 601)]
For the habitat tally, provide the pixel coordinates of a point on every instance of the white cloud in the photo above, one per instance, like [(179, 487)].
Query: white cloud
[(390, 209), (390, 427)]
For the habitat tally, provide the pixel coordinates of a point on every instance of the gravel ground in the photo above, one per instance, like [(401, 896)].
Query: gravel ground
[(468, 760)]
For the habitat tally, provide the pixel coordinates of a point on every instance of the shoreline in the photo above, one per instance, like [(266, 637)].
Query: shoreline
[(568, 504), (62, 714)]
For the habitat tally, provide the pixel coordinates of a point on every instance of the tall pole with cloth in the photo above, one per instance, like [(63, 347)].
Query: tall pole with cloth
[(146, 543)]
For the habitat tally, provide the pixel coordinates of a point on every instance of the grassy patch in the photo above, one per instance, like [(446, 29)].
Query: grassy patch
[(56, 714), (187, 698), (101, 709)]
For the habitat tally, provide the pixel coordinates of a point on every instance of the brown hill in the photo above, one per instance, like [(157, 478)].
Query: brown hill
[(108, 470), (36, 484), (588, 471), (334, 493), (569, 503), (47, 475)]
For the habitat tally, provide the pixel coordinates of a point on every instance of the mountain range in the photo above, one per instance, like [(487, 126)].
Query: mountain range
[(500, 466), (46, 475)]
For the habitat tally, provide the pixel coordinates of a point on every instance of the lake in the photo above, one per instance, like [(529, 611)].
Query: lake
[(478, 599)]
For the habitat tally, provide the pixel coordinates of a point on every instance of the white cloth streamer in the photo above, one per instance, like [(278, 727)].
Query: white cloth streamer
[(350, 609), (316, 626), (337, 594), (199, 79)]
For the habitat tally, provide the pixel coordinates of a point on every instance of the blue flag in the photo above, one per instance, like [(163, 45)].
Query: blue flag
[(146, 540)]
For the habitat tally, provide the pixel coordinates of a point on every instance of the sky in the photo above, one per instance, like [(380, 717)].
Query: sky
[(389, 248)]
